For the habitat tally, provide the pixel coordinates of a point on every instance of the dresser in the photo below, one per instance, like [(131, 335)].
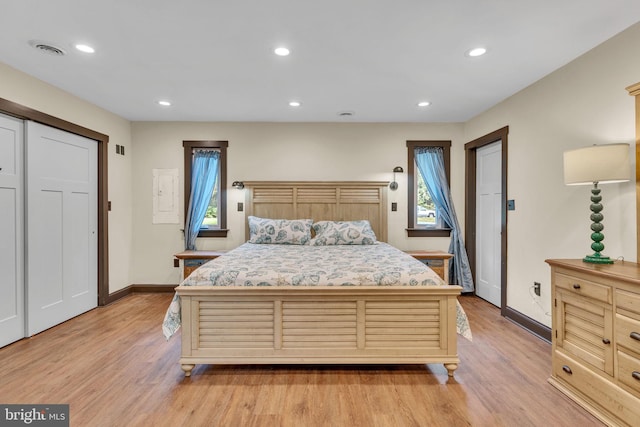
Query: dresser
[(596, 337)]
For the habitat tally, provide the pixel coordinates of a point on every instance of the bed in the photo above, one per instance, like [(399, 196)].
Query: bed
[(314, 301)]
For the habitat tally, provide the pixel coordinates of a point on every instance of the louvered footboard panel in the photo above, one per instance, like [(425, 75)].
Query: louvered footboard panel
[(319, 324), (403, 324), (236, 324)]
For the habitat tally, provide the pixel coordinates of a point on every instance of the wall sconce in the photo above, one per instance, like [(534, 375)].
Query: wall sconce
[(599, 164), (393, 185), (238, 184)]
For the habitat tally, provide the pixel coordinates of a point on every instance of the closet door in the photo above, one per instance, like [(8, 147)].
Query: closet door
[(61, 226), (12, 326)]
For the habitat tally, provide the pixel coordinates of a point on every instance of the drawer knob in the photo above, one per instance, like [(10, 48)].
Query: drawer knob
[(567, 369), (636, 375), (606, 341), (635, 336), (576, 286)]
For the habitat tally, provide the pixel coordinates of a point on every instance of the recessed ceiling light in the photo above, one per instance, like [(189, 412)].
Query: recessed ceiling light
[(295, 104), (85, 48), (164, 103), (478, 51), (281, 51), (424, 104)]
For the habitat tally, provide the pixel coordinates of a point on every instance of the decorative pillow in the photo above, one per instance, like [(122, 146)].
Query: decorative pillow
[(280, 231), (343, 233)]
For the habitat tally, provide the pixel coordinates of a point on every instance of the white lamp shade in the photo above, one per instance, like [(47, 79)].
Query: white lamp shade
[(599, 163)]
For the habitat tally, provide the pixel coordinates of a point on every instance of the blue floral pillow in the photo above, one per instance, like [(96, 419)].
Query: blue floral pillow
[(343, 233), (279, 231)]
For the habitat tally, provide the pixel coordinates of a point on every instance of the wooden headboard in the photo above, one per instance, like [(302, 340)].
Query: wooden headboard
[(320, 201)]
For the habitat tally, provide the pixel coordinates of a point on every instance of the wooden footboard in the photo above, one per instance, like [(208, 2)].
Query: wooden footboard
[(318, 325)]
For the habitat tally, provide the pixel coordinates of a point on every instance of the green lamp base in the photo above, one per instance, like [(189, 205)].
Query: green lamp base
[(597, 259), (597, 227)]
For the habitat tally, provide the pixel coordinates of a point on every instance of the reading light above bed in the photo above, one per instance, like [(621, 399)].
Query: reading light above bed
[(238, 184), (394, 185), (599, 164)]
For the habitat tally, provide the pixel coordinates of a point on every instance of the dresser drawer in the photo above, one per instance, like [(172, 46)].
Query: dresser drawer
[(195, 263), (629, 371), (628, 301), (584, 287), (597, 390), (628, 333)]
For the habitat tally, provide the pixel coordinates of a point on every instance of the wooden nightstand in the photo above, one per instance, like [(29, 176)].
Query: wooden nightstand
[(194, 259), (438, 261)]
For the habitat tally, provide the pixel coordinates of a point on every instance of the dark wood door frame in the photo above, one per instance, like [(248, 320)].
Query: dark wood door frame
[(13, 109), (470, 149)]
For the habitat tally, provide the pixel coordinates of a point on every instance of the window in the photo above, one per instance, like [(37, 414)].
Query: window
[(423, 218), (215, 220)]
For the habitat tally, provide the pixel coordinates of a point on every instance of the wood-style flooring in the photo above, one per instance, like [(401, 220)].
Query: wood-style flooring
[(114, 368)]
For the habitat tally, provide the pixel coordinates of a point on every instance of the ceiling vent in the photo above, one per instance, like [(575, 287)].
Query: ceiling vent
[(46, 48), (346, 113)]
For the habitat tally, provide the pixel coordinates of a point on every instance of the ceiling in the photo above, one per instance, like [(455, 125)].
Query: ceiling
[(214, 59)]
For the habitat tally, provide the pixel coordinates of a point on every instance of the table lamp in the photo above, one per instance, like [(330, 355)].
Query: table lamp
[(598, 164)]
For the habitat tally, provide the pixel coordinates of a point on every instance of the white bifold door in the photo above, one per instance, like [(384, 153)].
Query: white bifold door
[(61, 226), (12, 326)]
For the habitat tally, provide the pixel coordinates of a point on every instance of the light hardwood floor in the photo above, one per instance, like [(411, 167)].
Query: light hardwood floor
[(114, 368)]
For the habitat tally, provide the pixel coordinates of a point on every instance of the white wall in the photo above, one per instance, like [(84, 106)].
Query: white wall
[(582, 104), (277, 151), (28, 91)]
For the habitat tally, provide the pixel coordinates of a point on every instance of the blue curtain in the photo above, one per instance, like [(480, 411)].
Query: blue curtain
[(204, 172), (430, 162)]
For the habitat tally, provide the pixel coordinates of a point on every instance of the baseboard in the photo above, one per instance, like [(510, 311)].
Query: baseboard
[(153, 288), (115, 296), (533, 326)]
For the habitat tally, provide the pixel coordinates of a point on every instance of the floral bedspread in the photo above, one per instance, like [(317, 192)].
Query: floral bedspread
[(251, 264)]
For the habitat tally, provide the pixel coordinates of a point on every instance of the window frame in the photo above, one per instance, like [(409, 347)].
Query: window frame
[(412, 229), (189, 146)]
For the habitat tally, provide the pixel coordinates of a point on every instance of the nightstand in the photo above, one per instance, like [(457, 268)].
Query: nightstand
[(438, 261), (194, 259)]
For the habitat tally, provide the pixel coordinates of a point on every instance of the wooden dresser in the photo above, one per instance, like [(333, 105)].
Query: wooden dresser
[(596, 337)]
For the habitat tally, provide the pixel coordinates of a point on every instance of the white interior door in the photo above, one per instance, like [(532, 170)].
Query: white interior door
[(488, 222), (12, 319), (61, 226)]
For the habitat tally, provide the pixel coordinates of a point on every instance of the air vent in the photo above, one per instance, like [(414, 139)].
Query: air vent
[(46, 48)]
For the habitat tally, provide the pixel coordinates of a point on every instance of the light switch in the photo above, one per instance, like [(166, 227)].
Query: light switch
[(394, 207), (240, 207)]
